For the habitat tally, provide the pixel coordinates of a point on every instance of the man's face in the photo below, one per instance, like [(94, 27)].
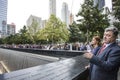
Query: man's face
[(108, 37)]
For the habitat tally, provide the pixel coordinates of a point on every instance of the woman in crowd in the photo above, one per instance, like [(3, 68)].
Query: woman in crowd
[(96, 44)]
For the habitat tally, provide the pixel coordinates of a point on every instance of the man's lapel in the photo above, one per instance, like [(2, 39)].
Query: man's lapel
[(106, 50)]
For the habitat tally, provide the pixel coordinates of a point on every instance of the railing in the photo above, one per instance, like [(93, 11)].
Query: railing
[(55, 53), (68, 69), (18, 62)]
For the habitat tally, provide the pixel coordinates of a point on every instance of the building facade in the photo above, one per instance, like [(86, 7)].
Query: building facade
[(116, 5), (43, 23), (52, 7), (71, 18), (11, 29), (35, 18), (101, 3), (113, 3), (40, 23), (3, 18), (65, 14)]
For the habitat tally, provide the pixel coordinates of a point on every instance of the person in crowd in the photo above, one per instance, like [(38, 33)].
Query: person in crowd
[(66, 46), (96, 44), (106, 62), (84, 46)]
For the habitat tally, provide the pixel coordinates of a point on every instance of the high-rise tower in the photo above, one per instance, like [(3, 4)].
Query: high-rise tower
[(52, 7), (65, 13), (3, 17), (115, 4), (101, 3), (34, 18)]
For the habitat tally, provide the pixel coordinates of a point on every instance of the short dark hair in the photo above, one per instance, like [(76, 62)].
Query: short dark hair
[(113, 29)]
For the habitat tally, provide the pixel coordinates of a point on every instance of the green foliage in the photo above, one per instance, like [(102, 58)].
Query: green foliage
[(92, 21), (1, 41), (55, 31), (33, 30), (117, 9), (117, 14), (75, 33), (9, 40), (12, 39), (24, 36), (19, 38), (117, 24)]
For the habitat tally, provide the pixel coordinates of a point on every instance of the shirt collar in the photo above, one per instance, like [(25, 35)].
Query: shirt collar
[(108, 44)]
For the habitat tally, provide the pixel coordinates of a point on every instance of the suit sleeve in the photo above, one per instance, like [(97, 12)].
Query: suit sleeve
[(112, 62)]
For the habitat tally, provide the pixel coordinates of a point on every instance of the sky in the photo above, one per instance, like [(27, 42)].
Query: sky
[(20, 10)]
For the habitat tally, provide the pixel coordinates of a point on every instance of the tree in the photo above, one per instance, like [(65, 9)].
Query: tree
[(75, 33), (24, 36), (116, 13), (19, 38), (33, 30), (92, 21), (1, 40), (9, 39), (54, 31)]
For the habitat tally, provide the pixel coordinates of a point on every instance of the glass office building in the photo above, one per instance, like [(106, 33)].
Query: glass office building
[(52, 7), (101, 3), (3, 17), (65, 14)]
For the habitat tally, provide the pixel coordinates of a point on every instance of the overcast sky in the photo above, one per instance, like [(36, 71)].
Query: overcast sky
[(20, 10)]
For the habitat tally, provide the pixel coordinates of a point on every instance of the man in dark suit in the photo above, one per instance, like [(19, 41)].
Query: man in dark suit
[(107, 61)]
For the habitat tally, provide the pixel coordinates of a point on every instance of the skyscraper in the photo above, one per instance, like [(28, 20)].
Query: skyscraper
[(11, 29), (34, 18), (65, 13), (101, 3), (3, 17), (52, 7), (71, 18), (113, 4)]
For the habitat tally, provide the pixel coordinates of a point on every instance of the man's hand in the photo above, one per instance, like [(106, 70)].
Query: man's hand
[(87, 67), (88, 55)]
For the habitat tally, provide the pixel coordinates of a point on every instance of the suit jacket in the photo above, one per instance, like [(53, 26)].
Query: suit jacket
[(95, 51), (106, 64)]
